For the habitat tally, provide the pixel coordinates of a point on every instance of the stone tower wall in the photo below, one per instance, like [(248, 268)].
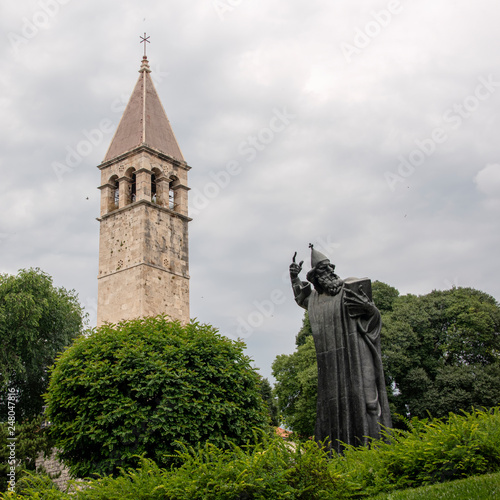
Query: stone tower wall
[(143, 249)]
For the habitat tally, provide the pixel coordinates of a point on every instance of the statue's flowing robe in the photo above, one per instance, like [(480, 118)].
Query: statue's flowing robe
[(346, 349)]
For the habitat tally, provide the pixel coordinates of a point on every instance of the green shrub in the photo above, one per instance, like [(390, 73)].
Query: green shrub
[(270, 469), (431, 452), (143, 385)]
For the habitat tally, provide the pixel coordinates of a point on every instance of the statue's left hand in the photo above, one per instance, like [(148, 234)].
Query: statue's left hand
[(358, 304)]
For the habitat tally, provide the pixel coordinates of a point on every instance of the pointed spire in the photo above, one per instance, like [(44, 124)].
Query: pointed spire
[(144, 121)]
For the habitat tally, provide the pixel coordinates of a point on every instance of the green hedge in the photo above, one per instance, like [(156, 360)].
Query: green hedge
[(270, 469), (432, 452)]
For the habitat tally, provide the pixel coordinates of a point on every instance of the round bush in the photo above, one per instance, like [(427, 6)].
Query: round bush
[(140, 386)]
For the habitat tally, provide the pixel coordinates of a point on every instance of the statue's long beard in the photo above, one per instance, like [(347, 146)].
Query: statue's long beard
[(331, 285)]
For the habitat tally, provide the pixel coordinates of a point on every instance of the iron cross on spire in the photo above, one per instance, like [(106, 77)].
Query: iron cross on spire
[(144, 39)]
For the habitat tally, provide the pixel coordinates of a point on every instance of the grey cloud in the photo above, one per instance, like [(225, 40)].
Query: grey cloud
[(320, 180)]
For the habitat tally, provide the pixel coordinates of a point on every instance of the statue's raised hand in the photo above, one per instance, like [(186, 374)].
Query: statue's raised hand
[(294, 267), (358, 304)]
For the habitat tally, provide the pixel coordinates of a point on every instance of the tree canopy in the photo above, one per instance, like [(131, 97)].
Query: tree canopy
[(143, 386), (37, 320), (441, 354)]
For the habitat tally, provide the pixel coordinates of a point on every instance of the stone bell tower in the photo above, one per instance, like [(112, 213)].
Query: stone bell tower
[(143, 243)]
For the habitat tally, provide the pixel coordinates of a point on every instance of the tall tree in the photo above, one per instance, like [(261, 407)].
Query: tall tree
[(441, 351), (384, 296), (37, 320)]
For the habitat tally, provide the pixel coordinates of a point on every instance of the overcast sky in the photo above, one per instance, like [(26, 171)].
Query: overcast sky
[(369, 128)]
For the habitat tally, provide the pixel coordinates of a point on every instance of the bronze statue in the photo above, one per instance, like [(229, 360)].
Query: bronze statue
[(352, 399)]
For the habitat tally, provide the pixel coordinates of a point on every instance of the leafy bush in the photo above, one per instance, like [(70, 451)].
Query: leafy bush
[(143, 385), (269, 469), (272, 469), (431, 452)]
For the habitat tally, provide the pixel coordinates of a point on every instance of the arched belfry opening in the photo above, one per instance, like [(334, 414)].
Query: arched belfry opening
[(173, 182), (154, 193), (114, 200), (143, 245), (157, 181), (133, 189)]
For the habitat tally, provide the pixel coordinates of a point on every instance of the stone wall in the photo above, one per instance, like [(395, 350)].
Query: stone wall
[(143, 264), (54, 468), (143, 244)]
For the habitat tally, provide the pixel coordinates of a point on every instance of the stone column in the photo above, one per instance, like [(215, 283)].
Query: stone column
[(125, 184), (143, 184), (107, 197), (181, 199), (162, 187)]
